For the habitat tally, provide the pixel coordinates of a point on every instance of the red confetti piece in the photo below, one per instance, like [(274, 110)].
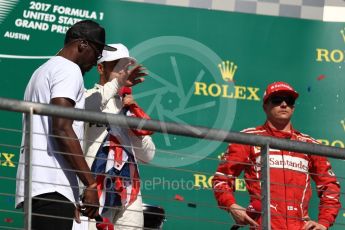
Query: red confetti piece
[(179, 198), (321, 77), (8, 220)]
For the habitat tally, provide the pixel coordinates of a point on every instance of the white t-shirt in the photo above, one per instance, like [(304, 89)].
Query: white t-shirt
[(58, 77)]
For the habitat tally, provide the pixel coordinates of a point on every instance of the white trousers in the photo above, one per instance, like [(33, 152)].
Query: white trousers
[(129, 218)]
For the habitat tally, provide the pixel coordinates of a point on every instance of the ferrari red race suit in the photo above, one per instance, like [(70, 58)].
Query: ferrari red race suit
[(290, 174)]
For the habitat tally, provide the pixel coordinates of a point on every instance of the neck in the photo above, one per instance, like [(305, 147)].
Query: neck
[(102, 80), (67, 54), (281, 126)]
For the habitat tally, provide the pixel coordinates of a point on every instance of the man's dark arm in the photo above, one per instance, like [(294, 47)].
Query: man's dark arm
[(69, 145)]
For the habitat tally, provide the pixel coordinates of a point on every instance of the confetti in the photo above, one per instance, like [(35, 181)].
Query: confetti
[(321, 77), (192, 205), (8, 220), (9, 199), (179, 198)]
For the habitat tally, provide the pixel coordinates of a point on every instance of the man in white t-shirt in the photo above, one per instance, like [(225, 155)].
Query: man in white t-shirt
[(57, 157)]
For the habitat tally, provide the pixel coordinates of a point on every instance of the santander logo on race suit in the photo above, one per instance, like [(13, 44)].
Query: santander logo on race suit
[(287, 162)]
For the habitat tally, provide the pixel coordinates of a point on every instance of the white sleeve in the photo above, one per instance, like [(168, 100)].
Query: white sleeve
[(143, 147), (67, 83), (96, 99)]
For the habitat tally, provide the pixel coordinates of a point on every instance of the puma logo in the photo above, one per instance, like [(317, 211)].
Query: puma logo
[(275, 207)]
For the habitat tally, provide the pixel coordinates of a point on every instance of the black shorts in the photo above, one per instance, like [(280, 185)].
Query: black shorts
[(59, 211)]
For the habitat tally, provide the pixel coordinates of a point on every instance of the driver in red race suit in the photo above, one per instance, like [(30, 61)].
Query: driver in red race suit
[(290, 172)]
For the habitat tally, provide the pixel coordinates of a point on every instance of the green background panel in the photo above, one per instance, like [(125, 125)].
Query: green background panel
[(179, 47)]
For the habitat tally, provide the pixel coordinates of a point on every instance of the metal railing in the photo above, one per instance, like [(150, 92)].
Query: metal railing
[(265, 142)]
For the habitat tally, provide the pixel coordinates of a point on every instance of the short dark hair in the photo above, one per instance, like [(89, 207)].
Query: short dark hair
[(88, 30)]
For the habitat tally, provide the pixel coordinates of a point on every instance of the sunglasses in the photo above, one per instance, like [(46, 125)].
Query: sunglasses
[(98, 54), (277, 100)]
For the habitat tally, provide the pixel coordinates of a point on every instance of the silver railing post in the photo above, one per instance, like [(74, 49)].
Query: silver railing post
[(265, 188), (28, 169)]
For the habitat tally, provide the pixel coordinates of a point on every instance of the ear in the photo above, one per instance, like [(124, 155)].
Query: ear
[(100, 68)]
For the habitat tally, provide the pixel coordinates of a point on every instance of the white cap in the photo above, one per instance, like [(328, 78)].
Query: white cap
[(121, 52)]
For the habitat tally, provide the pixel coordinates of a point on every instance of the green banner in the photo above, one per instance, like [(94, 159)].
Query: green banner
[(207, 68)]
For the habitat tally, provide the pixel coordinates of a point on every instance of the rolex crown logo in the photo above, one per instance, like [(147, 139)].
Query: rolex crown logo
[(228, 70), (342, 31), (342, 122)]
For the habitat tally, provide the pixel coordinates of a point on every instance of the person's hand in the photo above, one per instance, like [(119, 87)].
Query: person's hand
[(240, 216), (128, 100), (90, 204), (77, 214), (129, 77), (312, 225)]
